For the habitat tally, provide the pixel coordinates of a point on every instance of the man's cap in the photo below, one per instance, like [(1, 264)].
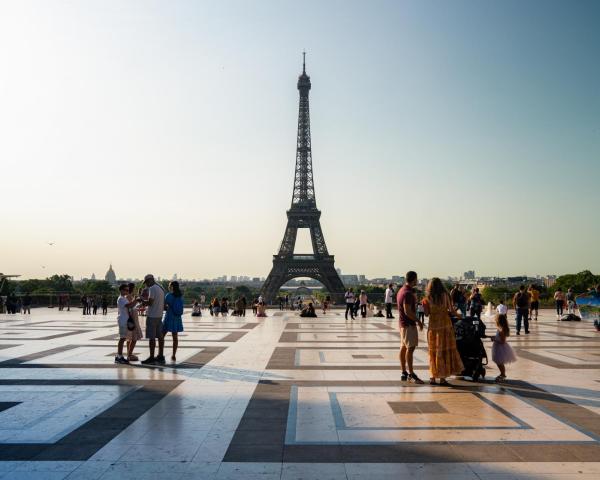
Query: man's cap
[(149, 277)]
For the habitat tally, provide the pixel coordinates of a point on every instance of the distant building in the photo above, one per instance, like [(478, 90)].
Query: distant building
[(349, 279), (362, 278), (398, 279), (469, 275), (110, 276), (93, 276), (549, 281)]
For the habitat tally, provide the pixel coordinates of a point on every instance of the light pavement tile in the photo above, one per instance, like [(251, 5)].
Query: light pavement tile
[(246, 468), (248, 476), (110, 452), (377, 469), (163, 452), (538, 476), (37, 475), (499, 468), (47, 466), (202, 468), (313, 471), (132, 468), (143, 476), (89, 471), (8, 466)]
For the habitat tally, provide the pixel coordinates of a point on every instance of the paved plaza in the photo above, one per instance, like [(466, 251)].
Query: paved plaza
[(291, 398)]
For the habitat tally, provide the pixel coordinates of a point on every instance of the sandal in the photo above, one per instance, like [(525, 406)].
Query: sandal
[(432, 381), (133, 358), (444, 383), (414, 378), (500, 378)]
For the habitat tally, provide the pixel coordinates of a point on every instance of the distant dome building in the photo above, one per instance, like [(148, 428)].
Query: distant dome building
[(110, 276)]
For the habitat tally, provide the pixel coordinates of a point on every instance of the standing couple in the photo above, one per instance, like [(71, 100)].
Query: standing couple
[(156, 326), (444, 359)]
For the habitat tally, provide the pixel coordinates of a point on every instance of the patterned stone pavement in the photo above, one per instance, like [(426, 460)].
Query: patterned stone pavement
[(291, 398)]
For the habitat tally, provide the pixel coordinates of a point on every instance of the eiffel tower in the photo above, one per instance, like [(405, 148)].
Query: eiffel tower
[(303, 214)]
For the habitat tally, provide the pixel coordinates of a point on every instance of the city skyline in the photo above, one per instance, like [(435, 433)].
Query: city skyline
[(162, 138)]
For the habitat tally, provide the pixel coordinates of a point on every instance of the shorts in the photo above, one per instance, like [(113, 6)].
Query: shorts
[(153, 327), (535, 305), (123, 331), (409, 336)]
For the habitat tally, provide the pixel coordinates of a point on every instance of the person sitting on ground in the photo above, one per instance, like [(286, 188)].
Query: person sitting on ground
[(379, 313), (196, 310), (261, 309), (308, 311)]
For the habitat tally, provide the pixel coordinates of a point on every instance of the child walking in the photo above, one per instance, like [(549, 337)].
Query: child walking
[(502, 352)]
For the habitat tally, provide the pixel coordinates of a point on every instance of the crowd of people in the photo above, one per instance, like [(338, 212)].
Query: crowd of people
[(90, 304), (13, 304)]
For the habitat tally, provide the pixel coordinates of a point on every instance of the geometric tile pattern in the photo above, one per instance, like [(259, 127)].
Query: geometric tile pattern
[(285, 397)]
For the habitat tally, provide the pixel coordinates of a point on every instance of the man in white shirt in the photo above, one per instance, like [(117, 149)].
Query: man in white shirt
[(154, 315), (389, 298)]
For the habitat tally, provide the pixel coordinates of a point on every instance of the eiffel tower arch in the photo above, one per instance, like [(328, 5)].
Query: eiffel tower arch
[(303, 213)]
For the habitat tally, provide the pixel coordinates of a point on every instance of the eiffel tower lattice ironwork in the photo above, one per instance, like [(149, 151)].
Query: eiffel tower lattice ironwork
[(303, 214)]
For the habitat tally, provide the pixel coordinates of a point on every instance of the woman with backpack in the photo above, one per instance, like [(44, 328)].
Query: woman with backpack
[(172, 321)]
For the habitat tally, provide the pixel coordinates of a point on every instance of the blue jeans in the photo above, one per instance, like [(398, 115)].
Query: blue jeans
[(522, 314)]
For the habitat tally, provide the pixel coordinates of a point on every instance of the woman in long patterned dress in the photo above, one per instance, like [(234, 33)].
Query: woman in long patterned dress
[(444, 359)]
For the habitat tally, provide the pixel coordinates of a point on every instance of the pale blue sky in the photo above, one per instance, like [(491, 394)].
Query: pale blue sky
[(447, 135)]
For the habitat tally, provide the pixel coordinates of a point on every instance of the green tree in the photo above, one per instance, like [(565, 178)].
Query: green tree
[(97, 287), (60, 283), (579, 282)]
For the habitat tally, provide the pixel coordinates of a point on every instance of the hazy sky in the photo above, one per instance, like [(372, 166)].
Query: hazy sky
[(160, 136)]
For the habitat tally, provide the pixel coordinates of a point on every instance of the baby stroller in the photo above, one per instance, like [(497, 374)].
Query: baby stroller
[(469, 331)]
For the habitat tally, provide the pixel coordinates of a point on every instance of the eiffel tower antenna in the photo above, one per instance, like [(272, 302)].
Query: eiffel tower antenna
[(303, 213)]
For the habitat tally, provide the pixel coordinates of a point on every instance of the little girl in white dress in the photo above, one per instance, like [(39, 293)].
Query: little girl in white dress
[(502, 352)]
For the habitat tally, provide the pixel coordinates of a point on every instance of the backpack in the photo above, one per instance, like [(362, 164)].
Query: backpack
[(522, 300)]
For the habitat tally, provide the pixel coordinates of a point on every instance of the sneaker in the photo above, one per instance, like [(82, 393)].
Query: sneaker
[(121, 360), (149, 361), (526, 332), (160, 359), (518, 333), (404, 376), (500, 379), (414, 378)]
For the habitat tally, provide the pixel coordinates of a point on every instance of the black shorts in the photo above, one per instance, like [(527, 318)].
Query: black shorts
[(535, 305)]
